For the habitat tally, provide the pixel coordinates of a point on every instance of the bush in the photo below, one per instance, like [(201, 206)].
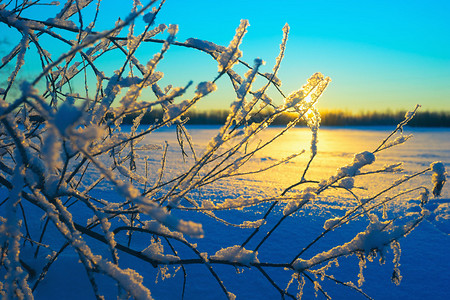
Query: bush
[(61, 150)]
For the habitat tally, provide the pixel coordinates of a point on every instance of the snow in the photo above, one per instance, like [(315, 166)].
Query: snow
[(375, 237), (330, 223), (334, 151), (249, 78), (303, 99), (304, 197), (347, 183), (438, 178), (175, 110), (229, 57), (157, 227), (397, 141), (206, 87), (152, 211), (70, 8), (204, 45), (274, 78), (410, 114), (429, 240), (128, 278), (67, 115), (61, 23), (155, 251), (237, 254), (360, 160)]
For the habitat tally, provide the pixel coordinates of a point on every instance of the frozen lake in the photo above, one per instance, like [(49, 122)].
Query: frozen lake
[(424, 260), (336, 148)]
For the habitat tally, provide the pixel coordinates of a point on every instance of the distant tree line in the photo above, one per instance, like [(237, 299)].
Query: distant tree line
[(329, 118), (422, 118)]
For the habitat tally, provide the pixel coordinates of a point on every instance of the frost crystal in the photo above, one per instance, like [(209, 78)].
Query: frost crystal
[(252, 224), (273, 78), (230, 56), (231, 296), (249, 78), (410, 114)]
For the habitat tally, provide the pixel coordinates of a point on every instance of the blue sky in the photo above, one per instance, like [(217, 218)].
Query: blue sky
[(380, 54)]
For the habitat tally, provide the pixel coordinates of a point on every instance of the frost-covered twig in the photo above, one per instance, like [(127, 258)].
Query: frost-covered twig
[(408, 116)]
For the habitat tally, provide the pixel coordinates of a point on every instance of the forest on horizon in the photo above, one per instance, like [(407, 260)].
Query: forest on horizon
[(329, 118)]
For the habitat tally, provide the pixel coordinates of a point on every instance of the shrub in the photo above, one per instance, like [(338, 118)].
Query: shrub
[(59, 149)]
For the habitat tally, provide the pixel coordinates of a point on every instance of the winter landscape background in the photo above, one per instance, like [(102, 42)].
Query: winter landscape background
[(424, 260)]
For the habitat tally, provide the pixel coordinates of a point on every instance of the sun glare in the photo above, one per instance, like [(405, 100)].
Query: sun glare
[(309, 114), (308, 99)]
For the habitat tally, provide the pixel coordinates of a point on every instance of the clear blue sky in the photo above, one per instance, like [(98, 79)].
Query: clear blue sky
[(380, 54)]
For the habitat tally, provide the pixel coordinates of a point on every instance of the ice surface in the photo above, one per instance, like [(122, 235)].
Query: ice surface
[(424, 261)]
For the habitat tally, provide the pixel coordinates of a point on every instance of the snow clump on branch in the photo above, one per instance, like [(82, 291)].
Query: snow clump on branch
[(438, 178), (206, 87), (237, 254)]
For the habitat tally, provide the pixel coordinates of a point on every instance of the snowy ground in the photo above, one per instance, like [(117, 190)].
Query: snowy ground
[(424, 260)]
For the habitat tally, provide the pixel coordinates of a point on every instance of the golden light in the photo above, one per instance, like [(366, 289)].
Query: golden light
[(309, 114), (308, 99)]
